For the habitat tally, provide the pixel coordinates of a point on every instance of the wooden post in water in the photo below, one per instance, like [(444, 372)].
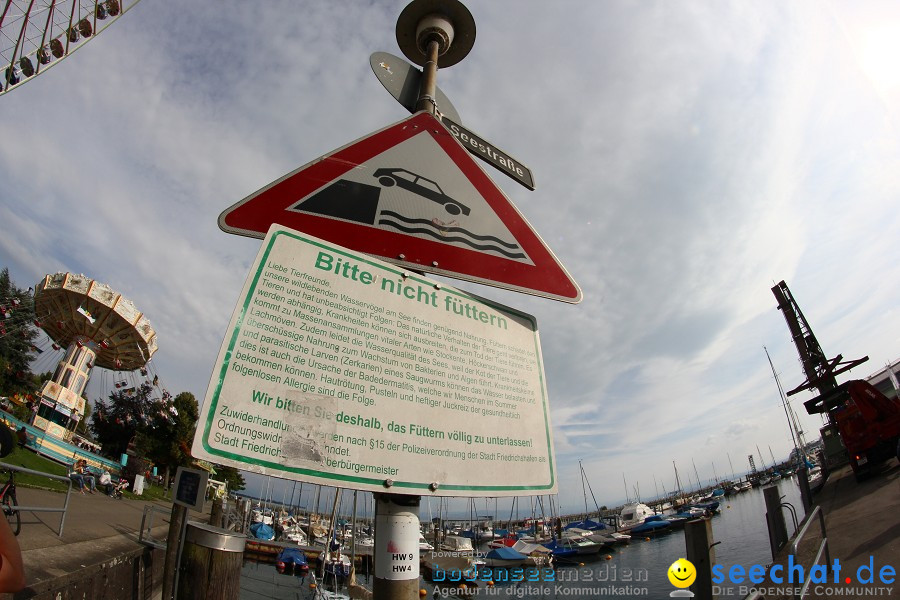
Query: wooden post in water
[(698, 542), (211, 564), (216, 513), (805, 493), (775, 521)]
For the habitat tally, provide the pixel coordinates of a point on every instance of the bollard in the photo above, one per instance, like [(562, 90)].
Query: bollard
[(216, 513), (396, 549), (698, 542), (210, 564), (805, 494), (775, 521)]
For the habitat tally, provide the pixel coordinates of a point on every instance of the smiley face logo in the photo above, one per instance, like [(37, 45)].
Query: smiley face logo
[(682, 573)]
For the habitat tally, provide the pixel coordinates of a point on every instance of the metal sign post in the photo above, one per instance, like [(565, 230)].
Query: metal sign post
[(435, 25)]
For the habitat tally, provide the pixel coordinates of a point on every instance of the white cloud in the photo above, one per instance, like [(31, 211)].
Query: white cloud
[(688, 156)]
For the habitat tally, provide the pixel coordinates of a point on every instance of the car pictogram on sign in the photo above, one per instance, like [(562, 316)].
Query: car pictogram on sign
[(421, 186)]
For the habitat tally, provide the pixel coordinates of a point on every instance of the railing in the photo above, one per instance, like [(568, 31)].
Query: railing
[(234, 519), (144, 536), (65, 506), (823, 546), (793, 510)]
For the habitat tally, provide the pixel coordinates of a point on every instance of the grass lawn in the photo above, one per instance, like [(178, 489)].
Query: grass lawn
[(21, 457)]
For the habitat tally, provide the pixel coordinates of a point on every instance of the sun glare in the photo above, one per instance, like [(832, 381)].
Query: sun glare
[(880, 57)]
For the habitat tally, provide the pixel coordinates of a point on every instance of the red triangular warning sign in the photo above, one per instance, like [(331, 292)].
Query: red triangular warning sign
[(412, 195)]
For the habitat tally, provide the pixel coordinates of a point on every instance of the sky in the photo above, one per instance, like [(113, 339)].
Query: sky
[(687, 157)]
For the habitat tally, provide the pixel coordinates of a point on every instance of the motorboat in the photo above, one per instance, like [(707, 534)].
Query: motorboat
[(457, 544), (259, 515), (676, 520), (261, 531), (538, 555), (713, 495), (587, 525), (295, 534), (708, 508), (424, 546), (507, 541), (598, 537), (561, 552), (505, 557), (292, 559), (365, 542), (633, 514), (582, 544), (652, 525), (619, 537), (336, 563)]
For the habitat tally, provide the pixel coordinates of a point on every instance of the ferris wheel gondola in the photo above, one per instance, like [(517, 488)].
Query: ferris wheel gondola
[(37, 34)]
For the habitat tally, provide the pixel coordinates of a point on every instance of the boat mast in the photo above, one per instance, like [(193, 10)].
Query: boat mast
[(784, 403), (353, 539), (583, 491), (730, 465), (596, 506), (697, 475), (678, 482)]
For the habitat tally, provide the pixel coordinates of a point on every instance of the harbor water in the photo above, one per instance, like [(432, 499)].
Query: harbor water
[(637, 570)]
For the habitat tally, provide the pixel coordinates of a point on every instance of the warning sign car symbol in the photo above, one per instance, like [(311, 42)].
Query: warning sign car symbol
[(411, 194)]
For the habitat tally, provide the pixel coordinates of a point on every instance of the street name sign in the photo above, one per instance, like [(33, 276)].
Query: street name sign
[(491, 154), (411, 194), (403, 81), (341, 369)]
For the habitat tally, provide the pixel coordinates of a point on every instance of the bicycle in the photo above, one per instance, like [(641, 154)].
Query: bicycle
[(10, 504)]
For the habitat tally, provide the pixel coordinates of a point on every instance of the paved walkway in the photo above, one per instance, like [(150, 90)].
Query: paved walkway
[(96, 528), (862, 524)]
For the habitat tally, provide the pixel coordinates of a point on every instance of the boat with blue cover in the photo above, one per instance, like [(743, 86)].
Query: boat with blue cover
[(261, 531), (561, 552), (293, 559), (505, 557), (587, 524), (652, 525)]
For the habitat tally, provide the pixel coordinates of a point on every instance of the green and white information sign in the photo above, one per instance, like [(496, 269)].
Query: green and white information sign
[(344, 370)]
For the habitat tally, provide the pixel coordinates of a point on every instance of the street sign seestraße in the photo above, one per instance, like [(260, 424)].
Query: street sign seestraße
[(341, 369), (402, 81), (491, 154)]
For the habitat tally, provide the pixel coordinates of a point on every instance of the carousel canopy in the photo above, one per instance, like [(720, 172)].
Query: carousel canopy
[(74, 309)]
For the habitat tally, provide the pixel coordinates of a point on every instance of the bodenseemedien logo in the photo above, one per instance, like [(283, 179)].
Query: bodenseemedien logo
[(682, 574)]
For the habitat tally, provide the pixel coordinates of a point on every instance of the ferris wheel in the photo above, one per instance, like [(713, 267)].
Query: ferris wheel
[(37, 34)]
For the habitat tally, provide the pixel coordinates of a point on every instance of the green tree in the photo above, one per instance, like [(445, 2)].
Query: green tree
[(231, 476), (143, 409), (168, 445), (17, 335)]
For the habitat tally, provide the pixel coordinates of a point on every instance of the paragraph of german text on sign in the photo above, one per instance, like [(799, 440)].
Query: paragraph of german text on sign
[(338, 368)]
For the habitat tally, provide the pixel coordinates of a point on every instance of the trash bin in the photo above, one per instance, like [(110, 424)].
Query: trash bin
[(211, 563)]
